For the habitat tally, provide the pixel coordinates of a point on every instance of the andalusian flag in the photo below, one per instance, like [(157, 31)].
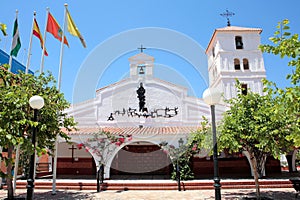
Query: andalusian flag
[(73, 30), (36, 31), (54, 29), (16, 43)]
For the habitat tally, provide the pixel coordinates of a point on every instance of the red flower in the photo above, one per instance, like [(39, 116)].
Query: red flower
[(118, 143), (122, 140), (194, 147), (80, 146)]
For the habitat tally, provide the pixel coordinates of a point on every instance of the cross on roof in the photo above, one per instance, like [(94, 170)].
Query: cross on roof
[(142, 48), (227, 14)]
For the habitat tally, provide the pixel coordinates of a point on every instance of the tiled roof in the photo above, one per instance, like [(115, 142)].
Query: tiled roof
[(237, 28), (232, 28), (134, 130)]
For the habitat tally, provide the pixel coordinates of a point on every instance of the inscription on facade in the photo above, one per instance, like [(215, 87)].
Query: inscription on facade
[(143, 110)]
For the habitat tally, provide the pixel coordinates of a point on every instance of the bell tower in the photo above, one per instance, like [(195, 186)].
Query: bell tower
[(141, 65), (233, 54)]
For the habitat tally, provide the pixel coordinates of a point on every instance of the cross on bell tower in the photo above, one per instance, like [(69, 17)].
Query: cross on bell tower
[(141, 64), (141, 48), (227, 14)]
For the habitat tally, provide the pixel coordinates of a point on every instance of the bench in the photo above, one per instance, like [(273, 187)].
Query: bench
[(296, 184)]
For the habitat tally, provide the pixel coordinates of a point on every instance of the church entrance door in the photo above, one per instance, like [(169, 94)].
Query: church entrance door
[(141, 160)]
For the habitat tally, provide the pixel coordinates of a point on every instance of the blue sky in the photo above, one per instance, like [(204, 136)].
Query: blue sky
[(100, 21)]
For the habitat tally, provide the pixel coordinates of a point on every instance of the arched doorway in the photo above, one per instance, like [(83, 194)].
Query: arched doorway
[(141, 160)]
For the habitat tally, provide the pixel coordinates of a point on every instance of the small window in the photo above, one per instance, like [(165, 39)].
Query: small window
[(237, 65), (245, 64), (238, 42), (213, 51), (141, 69), (244, 89)]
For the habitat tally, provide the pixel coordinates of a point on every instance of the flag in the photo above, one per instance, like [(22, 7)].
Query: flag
[(3, 28), (73, 30), (36, 31), (54, 29), (16, 43)]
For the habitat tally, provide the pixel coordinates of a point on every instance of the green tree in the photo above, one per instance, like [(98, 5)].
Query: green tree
[(198, 143), (181, 159), (16, 116), (258, 125), (287, 46), (102, 144), (201, 141)]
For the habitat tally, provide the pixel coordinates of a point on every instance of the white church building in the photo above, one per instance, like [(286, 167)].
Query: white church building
[(151, 111)]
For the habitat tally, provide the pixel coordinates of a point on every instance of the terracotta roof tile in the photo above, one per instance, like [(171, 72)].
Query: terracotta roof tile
[(134, 130), (237, 28), (229, 29)]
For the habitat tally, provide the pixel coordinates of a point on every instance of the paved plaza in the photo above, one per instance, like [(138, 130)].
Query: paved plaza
[(278, 193)]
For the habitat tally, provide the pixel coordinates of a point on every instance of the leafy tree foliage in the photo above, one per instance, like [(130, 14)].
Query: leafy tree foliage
[(287, 45), (181, 158), (102, 144), (256, 124), (16, 116), (201, 141)]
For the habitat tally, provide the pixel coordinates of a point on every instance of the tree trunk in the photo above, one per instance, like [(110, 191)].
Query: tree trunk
[(255, 173), (10, 191)]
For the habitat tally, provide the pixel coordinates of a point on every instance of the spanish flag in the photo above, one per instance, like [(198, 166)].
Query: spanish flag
[(73, 30), (54, 29), (36, 31)]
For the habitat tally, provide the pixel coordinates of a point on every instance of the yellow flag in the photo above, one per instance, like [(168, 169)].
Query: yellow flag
[(73, 30), (3, 29)]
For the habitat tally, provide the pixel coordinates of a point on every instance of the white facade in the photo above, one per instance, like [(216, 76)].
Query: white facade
[(121, 99), (172, 114), (222, 52)]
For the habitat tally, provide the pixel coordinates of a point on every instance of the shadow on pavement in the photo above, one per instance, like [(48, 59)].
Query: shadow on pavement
[(266, 195), (238, 194), (60, 195)]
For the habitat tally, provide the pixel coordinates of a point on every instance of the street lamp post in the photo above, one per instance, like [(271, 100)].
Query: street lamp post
[(35, 102), (212, 97), (180, 143)]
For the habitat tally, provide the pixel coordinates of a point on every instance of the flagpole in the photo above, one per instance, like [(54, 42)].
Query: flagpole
[(59, 87), (30, 45), (26, 72), (10, 56), (62, 50), (44, 43), (5, 43)]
